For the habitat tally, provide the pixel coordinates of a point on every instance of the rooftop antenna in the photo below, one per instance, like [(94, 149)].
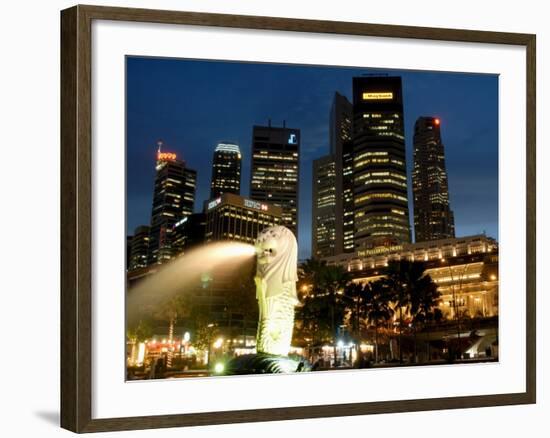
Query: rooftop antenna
[(269, 123), (284, 123), (159, 144)]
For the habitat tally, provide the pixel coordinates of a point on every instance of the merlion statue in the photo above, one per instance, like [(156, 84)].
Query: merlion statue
[(276, 276)]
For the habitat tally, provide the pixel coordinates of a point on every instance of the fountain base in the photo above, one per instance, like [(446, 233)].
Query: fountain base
[(263, 363)]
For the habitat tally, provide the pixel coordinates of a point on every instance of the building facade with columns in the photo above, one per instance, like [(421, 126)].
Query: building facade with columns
[(465, 270)]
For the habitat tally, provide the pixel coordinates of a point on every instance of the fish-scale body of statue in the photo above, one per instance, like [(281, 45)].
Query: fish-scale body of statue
[(276, 276)]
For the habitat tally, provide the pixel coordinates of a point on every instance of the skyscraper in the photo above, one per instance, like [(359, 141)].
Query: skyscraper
[(139, 248), (433, 217), (188, 233), (341, 147), (226, 170), (173, 199), (379, 168), (274, 175), (323, 230)]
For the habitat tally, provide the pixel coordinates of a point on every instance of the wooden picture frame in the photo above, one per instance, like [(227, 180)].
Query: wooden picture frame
[(76, 217)]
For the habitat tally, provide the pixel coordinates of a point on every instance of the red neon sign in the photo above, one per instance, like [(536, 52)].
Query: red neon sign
[(166, 156)]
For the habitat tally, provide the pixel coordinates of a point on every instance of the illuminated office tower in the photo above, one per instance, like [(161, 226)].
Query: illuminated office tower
[(433, 217), (323, 230), (188, 233), (274, 175), (341, 147), (379, 168), (226, 170), (173, 199), (233, 217), (139, 248)]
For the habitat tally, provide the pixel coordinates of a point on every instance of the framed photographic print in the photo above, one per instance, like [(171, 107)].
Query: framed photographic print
[(268, 218)]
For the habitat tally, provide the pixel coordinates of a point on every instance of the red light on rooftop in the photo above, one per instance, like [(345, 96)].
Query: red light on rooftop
[(437, 121)]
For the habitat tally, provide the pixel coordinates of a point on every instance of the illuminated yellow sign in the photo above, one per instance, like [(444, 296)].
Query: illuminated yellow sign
[(385, 95)]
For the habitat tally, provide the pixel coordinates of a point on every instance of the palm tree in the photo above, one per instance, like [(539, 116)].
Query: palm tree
[(137, 334), (403, 279), (379, 309), (332, 280), (355, 293), (325, 286), (431, 318), (205, 332), (177, 306), (424, 299), (309, 273), (312, 320), (356, 309)]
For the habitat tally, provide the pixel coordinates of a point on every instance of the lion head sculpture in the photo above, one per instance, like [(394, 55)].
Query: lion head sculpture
[(277, 257)]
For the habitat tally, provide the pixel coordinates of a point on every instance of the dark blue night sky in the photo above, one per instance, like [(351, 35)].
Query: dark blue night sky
[(192, 105)]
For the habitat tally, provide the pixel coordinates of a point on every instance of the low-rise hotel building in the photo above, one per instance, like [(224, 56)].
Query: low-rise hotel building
[(464, 268)]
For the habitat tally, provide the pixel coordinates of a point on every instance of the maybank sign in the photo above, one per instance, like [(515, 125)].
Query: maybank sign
[(384, 95)]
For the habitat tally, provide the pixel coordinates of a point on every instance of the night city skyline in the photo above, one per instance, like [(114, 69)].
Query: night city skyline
[(194, 105)]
